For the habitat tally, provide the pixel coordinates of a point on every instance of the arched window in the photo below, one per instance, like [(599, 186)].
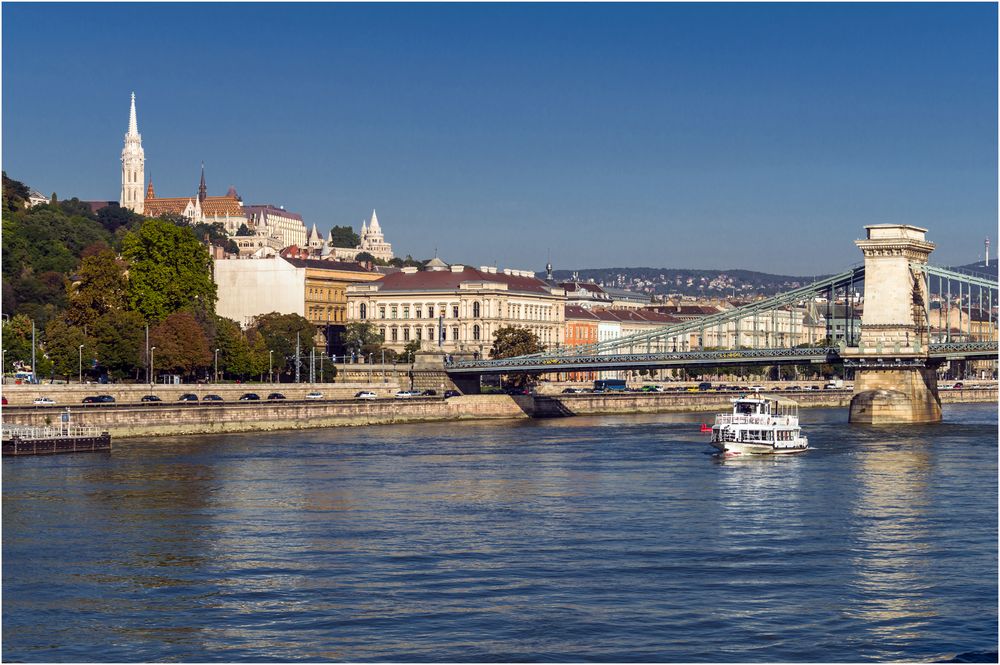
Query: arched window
[(475, 312), (475, 330), (364, 311)]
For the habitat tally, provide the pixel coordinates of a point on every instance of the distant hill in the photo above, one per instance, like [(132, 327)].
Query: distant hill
[(710, 283), (684, 281)]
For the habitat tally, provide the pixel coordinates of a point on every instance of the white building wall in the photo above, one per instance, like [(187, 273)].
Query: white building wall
[(250, 287)]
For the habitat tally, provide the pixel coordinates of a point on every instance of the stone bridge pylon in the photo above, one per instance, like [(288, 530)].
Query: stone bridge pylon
[(895, 382)]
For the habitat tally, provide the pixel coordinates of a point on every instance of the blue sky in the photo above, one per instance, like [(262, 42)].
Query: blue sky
[(759, 136)]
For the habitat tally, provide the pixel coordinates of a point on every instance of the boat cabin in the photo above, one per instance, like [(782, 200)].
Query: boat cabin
[(765, 406)]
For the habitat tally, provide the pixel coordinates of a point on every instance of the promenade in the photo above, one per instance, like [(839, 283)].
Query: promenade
[(128, 417)]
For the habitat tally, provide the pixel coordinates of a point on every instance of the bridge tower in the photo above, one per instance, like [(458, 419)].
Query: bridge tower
[(894, 379)]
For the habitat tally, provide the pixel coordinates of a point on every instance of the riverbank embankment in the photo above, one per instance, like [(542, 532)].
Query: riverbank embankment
[(173, 418)]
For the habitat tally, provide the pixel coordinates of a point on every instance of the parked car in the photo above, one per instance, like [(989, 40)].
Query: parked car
[(248, 397), (44, 401), (656, 389), (365, 394), (98, 399), (428, 393), (150, 398), (276, 396), (211, 398), (571, 391), (188, 397), (407, 394), (958, 385), (314, 395), (3, 400), (518, 391), (705, 385), (451, 393), (757, 389)]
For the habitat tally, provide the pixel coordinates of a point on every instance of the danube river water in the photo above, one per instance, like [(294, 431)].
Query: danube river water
[(578, 539)]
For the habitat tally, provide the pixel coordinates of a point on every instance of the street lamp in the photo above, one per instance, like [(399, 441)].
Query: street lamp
[(370, 367), (383, 365), (80, 350), (152, 374), (3, 361), (270, 371), (216, 379)]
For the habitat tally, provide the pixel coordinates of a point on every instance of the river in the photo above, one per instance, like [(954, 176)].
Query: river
[(577, 539)]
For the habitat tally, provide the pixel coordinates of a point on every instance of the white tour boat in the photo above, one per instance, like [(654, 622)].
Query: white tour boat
[(759, 426)]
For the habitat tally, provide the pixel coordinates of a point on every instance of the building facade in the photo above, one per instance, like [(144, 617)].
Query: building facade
[(373, 241), (285, 228), (457, 308)]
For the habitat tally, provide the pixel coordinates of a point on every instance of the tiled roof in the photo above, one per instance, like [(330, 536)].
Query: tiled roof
[(270, 209), (635, 316), (432, 280), (322, 264), (158, 206), (222, 206), (577, 312)]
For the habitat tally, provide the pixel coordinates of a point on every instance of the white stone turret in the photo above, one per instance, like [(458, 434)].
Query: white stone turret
[(374, 227), (372, 240), (133, 166)]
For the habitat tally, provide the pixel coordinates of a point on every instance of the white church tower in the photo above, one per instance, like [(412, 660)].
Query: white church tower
[(133, 160)]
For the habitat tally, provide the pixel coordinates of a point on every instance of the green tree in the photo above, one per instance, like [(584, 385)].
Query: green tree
[(344, 236), (119, 342), (100, 288), (362, 337), (15, 193), (409, 351), (365, 257), (168, 270), (17, 341), (244, 230), (279, 332), (511, 341), (114, 217), (181, 345), (62, 346)]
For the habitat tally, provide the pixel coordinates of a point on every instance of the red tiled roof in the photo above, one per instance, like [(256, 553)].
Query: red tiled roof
[(322, 264), (577, 312), (446, 280)]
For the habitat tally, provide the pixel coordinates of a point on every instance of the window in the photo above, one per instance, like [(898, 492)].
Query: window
[(381, 332), (454, 333), (406, 334), (430, 311), (406, 311), (475, 311), (381, 311), (430, 333), (363, 311), (395, 335), (444, 334), (454, 311), (419, 311), (475, 332), (420, 334), (395, 312)]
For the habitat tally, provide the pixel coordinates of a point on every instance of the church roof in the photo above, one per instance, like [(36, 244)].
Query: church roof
[(251, 210), (163, 206), (433, 280), (222, 206)]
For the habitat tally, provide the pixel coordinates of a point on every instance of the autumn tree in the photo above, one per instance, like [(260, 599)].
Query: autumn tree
[(62, 346), (181, 344), (169, 270)]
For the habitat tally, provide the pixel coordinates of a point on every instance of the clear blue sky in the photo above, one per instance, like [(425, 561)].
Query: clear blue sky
[(670, 135)]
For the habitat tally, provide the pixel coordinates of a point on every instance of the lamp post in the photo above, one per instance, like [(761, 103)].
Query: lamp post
[(215, 379), (80, 350), (152, 373), (370, 367), (270, 366), (383, 365), (3, 362)]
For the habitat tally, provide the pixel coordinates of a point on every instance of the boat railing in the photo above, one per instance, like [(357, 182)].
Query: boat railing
[(25, 432), (747, 419)]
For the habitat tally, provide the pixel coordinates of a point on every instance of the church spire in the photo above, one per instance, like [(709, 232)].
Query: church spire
[(133, 162), (374, 227), (133, 125), (149, 190), (202, 189)]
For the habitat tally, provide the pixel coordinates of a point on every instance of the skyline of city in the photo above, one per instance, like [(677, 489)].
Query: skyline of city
[(442, 185)]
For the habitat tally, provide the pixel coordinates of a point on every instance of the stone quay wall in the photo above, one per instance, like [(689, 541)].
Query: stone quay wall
[(169, 418)]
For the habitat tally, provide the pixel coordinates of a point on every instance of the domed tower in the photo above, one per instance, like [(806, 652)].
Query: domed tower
[(133, 164)]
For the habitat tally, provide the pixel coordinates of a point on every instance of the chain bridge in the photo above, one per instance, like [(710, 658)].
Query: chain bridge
[(913, 317)]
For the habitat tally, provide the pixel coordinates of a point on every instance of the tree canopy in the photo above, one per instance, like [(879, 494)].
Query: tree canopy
[(169, 270), (344, 236)]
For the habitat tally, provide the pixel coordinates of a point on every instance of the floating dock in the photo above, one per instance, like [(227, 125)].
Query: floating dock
[(21, 440)]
